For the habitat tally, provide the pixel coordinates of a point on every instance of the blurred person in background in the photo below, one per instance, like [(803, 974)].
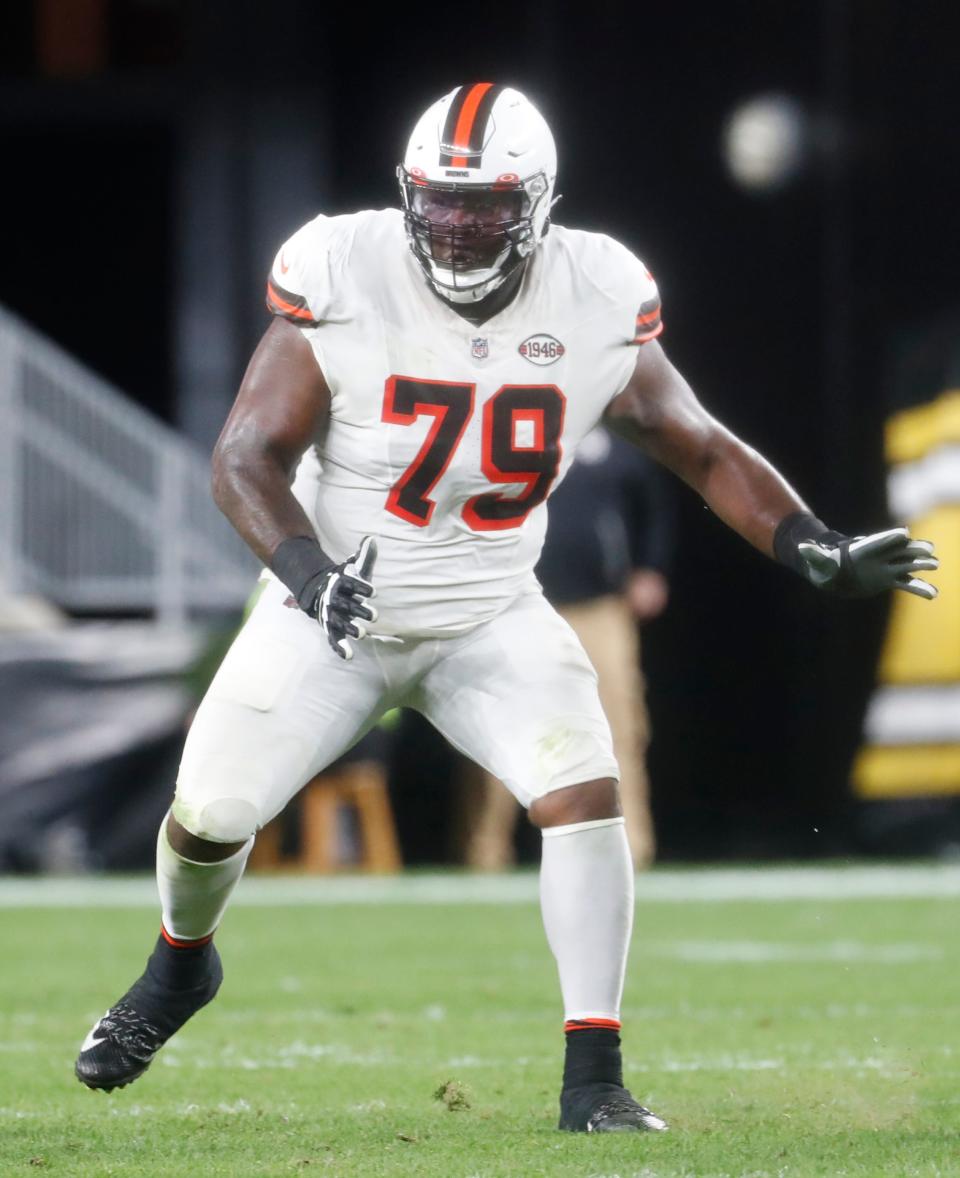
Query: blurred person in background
[(907, 773), (604, 569), (440, 363)]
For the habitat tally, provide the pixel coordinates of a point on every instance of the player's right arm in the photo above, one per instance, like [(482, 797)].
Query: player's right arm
[(283, 401), (658, 411), (282, 404)]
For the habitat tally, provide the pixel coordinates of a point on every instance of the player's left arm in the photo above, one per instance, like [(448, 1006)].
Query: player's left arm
[(658, 411)]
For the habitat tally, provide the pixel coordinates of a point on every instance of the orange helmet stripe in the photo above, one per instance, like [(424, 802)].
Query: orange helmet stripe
[(462, 138), (468, 112)]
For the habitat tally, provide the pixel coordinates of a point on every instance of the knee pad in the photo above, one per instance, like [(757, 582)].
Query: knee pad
[(223, 820)]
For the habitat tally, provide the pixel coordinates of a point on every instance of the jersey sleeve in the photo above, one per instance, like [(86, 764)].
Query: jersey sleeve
[(635, 315), (631, 287), (300, 286), (649, 322)]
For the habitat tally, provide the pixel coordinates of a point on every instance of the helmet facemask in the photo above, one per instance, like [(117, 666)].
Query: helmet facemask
[(469, 238)]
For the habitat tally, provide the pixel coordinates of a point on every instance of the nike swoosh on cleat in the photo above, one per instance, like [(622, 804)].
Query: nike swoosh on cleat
[(655, 1123), (91, 1040)]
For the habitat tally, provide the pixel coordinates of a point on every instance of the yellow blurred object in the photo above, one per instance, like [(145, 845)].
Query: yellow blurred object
[(913, 433), (923, 639), (912, 744), (886, 772)]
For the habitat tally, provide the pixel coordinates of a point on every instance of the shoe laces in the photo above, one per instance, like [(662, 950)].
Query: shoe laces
[(615, 1105), (136, 1035)]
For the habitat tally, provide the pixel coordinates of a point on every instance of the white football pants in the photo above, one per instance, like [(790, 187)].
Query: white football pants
[(516, 694)]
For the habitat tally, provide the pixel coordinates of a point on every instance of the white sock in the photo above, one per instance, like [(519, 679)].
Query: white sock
[(193, 896), (586, 896)]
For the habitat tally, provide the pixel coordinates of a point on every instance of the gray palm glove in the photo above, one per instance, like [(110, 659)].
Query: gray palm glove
[(340, 604), (862, 566), (336, 595)]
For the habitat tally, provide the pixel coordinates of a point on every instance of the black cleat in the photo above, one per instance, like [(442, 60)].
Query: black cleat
[(605, 1108), (122, 1044)]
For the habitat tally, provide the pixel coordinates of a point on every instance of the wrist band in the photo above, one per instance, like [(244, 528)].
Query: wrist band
[(299, 562), (791, 531)]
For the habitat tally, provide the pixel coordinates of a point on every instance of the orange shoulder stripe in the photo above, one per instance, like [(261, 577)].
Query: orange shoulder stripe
[(642, 338), (277, 302)]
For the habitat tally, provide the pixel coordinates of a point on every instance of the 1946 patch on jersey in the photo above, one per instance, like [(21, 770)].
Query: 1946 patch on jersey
[(541, 349)]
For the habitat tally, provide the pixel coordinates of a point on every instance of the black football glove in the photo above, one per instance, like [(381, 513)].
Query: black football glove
[(332, 593), (862, 566), (854, 566), (339, 600)]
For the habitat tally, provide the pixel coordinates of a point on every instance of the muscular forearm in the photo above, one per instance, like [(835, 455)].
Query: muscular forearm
[(282, 406), (736, 482), (252, 489), (743, 489), (658, 411)]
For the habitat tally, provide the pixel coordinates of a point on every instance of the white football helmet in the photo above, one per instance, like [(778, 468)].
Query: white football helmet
[(477, 184)]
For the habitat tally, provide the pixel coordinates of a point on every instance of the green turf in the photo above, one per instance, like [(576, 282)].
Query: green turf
[(783, 1038)]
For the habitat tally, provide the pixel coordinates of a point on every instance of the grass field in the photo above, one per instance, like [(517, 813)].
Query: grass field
[(812, 1029)]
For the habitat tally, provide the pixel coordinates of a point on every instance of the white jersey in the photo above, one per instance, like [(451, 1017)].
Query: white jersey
[(445, 438)]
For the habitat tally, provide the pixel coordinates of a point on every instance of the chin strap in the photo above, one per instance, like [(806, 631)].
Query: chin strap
[(505, 290)]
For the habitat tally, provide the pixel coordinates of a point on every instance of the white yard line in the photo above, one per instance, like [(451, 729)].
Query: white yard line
[(663, 885), (765, 952)]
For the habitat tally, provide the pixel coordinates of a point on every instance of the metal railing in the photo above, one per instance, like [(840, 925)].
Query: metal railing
[(102, 507)]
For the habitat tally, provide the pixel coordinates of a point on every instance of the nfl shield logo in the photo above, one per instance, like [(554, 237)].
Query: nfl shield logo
[(479, 349)]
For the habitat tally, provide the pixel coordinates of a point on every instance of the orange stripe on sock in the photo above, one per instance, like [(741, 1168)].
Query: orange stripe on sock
[(587, 1024), (178, 944)]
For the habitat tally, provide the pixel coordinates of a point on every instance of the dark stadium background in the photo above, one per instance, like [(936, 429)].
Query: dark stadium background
[(784, 310)]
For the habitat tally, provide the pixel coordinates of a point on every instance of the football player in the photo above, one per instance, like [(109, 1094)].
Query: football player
[(428, 373)]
